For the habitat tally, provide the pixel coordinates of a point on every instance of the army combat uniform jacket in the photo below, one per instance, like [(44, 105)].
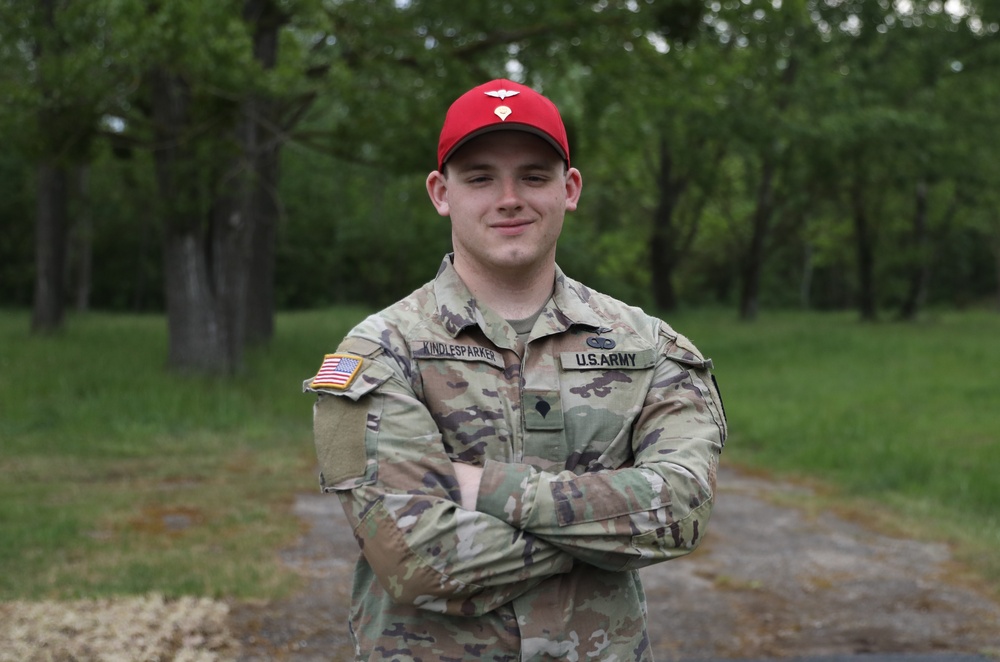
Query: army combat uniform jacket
[(599, 438)]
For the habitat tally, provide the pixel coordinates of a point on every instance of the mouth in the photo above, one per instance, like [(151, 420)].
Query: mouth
[(511, 227)]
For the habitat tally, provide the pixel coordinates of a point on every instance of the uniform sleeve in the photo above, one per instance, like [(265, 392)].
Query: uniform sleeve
[(635, 516), (402, 497)]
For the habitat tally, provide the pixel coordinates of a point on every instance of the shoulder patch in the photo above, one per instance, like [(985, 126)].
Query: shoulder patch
[(337, 371)]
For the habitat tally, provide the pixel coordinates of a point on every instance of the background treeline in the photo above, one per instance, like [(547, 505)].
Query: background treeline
[(219, 161)]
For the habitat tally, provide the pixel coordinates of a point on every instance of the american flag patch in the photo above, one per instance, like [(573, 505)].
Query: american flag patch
[(337, 371)]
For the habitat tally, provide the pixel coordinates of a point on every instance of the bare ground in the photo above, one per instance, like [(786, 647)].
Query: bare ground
[(771, 581)]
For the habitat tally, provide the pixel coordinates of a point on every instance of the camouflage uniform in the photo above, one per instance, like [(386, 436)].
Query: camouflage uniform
[(545, 568)]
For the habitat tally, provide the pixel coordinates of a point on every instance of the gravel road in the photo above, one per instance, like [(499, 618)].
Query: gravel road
[(770, 582)]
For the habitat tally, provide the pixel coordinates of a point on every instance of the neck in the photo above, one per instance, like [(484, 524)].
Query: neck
[(513, 294)]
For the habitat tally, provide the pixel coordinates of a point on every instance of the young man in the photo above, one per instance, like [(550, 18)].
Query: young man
[(510, 446)]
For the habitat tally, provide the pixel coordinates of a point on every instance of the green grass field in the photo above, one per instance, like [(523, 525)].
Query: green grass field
[(118, 477), (898, 423)]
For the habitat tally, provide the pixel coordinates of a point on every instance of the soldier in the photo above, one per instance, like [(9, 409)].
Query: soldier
[(510, 446)]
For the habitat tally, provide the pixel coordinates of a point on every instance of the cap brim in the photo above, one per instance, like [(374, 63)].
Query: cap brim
[(511, 126)]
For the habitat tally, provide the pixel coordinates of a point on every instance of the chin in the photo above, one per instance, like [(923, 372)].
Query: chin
[(518, 261)]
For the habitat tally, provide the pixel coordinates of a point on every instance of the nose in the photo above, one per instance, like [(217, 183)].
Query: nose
[(510, 195)]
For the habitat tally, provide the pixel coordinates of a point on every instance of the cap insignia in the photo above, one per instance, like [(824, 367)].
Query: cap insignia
[(502, 112), (502, 94)]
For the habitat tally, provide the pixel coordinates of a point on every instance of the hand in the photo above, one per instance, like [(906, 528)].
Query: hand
[(468, 478)]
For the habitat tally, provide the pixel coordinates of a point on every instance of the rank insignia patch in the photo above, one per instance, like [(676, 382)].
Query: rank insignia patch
[(337, 371)]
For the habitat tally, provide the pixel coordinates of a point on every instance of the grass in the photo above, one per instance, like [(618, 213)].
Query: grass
[(899, 424), (121, 478)]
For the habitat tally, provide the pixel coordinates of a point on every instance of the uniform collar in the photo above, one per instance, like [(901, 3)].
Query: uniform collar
[(458, 309)]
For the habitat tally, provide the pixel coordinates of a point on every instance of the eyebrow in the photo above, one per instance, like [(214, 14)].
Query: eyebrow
[(524, 168)]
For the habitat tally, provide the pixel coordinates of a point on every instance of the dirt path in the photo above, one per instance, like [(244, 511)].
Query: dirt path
[(770, 582)]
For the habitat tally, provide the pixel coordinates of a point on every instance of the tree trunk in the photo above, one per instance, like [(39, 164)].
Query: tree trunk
[(205, 250), (50, 247), (52, 202), (864, 246), (205, 285), (919, 268), (231, 229), (753, 265), (805, 284), (263, 145), (260, 306), (220, 260), (82, 241), (663, 249), (195, 333)]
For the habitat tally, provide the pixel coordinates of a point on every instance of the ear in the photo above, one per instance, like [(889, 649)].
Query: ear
[(437, 189), (574, 186)]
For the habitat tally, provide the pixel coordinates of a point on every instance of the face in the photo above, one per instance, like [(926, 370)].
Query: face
[(506, 193)]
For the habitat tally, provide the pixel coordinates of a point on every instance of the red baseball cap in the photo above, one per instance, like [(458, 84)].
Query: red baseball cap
[(498, 105)]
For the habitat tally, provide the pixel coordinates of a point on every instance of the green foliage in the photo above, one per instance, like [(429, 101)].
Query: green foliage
[(60, 73), (358, 237), (126, 240), (874, 96), (605, 261)]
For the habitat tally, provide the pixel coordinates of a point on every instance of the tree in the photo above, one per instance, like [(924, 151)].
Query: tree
[(56, 85), (765, 46), (263, 138), (888, 120), (644, 129), (729, 148), (66, 66), (971, 95), (214, 185), (214, 108)]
